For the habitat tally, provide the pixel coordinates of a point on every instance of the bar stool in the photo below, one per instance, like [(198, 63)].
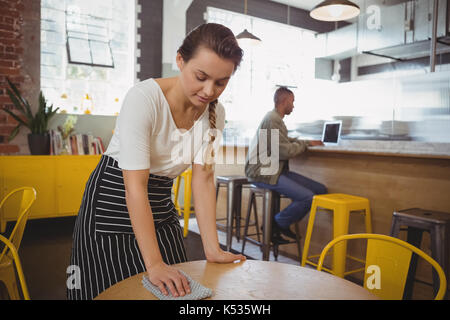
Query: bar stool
[(186, 210), (271, 201), (233, 184), (417, 221), (341, 205)]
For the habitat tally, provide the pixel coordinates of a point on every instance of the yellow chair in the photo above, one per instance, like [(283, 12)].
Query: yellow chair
[(387, 264), (7, 257), (8, 273), (341, 205), (186, 210)]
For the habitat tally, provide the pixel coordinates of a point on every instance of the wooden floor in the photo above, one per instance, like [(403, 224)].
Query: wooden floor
[(46, 246)]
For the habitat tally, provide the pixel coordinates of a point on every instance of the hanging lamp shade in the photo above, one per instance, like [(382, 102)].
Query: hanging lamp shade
[(245, 35), (335, 10)]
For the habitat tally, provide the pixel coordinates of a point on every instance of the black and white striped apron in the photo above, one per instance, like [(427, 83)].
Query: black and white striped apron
[(105, 250)]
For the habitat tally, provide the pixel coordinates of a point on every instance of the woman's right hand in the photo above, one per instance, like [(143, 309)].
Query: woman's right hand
[(162, 275)]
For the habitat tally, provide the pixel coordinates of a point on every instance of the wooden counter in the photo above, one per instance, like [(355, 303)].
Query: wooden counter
[(380, 153), (391, 181)]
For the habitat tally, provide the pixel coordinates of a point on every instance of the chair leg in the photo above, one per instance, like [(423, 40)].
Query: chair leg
[(275, 251), (2, 225), (439, 252), (255, 212), (340, 227), (247, 221), (309, 230), (368, 219), (267, 226), (395, 227), (237, 210), (217, 190), (9, 278), (187, 203), (414, 237), (175, 195), (230, 215), (298, 237)]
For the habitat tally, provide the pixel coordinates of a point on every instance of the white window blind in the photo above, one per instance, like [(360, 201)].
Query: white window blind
[(283, 58), (87, 54)]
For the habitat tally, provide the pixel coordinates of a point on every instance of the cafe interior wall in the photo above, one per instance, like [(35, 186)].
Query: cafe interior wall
[(20, 58), (25, 17), (407, 94), (174, 28), (148, 56)]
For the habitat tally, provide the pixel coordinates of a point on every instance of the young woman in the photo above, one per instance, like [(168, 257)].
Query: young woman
[(127, 223)]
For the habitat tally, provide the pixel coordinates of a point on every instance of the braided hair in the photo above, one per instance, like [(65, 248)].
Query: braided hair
[(209, 155)]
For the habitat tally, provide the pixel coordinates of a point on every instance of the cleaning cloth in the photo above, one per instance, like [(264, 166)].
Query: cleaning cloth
[(198, 291)]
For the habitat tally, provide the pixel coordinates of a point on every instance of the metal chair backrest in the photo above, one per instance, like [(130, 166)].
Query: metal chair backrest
[(15, 257), (387, 264), (26, 201)]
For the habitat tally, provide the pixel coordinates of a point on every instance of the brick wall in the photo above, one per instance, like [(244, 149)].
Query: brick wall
[(20, 62)]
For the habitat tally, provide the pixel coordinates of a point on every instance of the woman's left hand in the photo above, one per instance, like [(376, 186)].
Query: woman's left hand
[(222, 256)]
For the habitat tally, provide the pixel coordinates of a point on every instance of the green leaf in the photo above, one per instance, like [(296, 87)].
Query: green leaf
[(16, 117), (14, 132), (37, 123), (25, 103), (16, 101)]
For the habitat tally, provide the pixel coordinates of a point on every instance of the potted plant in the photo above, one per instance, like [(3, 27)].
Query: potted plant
[(66, 130), (39, 138)]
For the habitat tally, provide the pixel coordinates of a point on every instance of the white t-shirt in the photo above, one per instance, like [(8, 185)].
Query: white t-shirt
[(146, 136)]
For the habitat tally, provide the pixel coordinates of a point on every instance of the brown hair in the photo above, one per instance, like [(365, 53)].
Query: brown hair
[(222, 41)]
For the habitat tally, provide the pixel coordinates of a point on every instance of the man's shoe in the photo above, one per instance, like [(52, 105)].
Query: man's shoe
[(276, 236), (278, 239), (286, 232)]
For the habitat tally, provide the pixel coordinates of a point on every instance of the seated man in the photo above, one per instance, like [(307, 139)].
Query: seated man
[(267, 165)]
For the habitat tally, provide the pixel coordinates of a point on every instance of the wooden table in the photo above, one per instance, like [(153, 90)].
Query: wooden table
[(251, 279)]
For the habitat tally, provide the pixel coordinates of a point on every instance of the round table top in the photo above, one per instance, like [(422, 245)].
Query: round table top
[(251, 279)]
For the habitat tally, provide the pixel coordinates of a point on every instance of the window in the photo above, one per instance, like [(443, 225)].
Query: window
[(88, 39), (285, 60), (87, 54)]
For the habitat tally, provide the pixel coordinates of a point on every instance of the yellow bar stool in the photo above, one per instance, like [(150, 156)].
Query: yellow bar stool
[(186, 210), (341, 205)]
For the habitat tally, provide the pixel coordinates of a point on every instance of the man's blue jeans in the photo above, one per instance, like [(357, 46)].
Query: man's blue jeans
[(300, 190)]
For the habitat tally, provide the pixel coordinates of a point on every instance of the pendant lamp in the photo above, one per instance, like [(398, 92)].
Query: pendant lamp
[(245, 36), (335, 10)]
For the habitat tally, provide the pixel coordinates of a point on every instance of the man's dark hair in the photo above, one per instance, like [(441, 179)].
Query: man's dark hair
[(280, 94)]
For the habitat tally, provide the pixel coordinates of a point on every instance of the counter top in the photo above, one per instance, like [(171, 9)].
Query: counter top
[(381, 148), (390, 148)]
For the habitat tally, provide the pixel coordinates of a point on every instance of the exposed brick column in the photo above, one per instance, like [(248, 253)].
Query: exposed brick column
[(20, 62)]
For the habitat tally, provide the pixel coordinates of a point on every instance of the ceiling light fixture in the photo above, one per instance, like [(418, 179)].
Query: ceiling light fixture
[(335, 10), (245, 36)]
